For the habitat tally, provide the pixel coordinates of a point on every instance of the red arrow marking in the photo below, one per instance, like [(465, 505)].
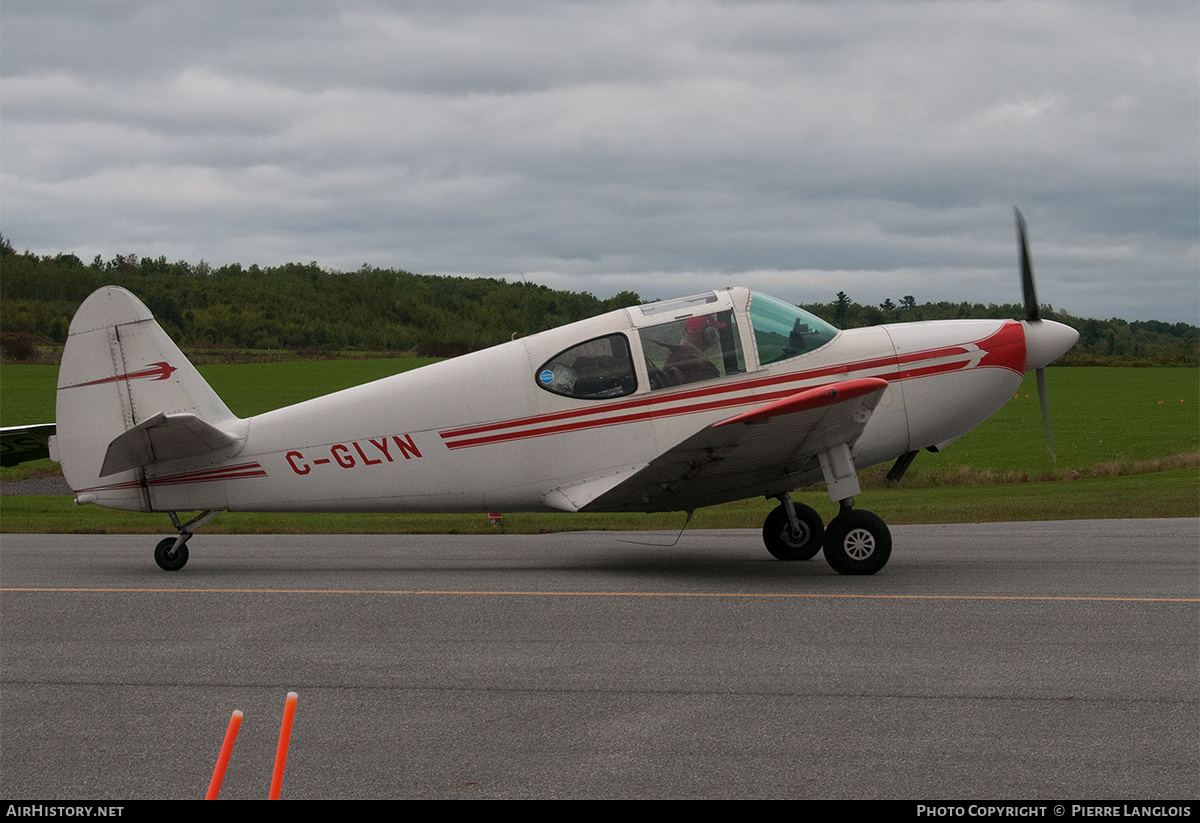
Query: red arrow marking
[(154, 371)]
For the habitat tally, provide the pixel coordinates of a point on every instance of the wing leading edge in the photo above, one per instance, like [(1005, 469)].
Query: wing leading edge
[(765, 451)]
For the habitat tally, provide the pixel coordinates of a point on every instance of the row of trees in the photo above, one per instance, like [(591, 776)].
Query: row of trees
[(294, 306), (304, 307), (1113, 341)]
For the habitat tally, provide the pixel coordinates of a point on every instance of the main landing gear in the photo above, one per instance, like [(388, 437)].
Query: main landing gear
[(171, 553), (855, 541), (793, 532)]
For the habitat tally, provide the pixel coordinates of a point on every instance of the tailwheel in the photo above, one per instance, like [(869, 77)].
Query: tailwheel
[(857, 542), (786, 541), (171, 553), (168, 557)]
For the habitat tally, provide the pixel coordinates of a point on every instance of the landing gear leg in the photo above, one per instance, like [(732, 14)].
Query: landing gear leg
[(171, 553), (793, 532), (856, 542)]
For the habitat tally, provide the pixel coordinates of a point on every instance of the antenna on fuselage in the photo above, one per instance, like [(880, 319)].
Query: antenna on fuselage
[(664, 545)]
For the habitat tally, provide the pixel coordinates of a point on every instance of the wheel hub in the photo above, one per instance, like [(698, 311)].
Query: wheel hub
[(795, 537), (860, 544)]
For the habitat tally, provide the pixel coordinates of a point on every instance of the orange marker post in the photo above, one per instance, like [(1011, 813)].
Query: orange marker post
[(218, 777), (285, 736)]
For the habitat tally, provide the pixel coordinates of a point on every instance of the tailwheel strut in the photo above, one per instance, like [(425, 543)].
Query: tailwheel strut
[(171, 553)]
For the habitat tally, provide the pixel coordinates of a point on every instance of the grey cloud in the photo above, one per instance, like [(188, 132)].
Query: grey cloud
[(870, 147)]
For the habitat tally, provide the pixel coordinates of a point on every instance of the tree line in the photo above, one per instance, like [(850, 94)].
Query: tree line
[(302, 307), (293, 306), (1101, 342)]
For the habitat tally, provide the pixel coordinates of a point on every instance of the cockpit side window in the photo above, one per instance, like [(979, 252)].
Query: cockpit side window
[(597, 369), (688, 350), (782, 330)]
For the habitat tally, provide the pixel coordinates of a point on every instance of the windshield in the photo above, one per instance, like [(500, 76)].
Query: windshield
[(782, 330)]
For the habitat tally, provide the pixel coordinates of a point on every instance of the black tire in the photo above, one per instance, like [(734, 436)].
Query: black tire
[(783, 543), (857, 542), (170, 562)]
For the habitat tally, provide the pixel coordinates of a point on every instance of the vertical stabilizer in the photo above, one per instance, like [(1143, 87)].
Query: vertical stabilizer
[(120, 371)]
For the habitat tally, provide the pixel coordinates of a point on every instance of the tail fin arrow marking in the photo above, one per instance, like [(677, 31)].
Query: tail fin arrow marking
[(154, 371)]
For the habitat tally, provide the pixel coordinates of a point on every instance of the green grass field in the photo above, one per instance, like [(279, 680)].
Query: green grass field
[(1102, 416), (1128, 444), (27, 392)]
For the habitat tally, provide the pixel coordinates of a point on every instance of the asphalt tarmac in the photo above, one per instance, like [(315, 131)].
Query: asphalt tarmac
[(1026, 661)]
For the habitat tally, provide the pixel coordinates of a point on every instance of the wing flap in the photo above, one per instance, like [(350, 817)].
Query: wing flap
[(574, 496)]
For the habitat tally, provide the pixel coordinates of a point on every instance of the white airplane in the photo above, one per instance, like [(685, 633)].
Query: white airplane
[(668, 406)]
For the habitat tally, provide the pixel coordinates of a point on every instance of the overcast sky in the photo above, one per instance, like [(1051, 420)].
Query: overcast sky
[(801, 148)]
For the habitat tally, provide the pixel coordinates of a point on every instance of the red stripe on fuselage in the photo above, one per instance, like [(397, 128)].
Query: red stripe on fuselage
[(242, 470), (210, 475)]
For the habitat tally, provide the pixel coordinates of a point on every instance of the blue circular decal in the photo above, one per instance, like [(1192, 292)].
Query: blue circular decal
[(547, 376)]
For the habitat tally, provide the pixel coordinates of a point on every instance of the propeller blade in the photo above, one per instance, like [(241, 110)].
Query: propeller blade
[(1027, 290), (1042, 396), (1044, 342)]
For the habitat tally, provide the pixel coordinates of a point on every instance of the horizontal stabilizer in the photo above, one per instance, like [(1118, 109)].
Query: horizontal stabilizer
[(165, 437), (19, 444)]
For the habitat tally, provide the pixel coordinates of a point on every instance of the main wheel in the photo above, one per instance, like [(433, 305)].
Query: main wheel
[(857, 542), (168, 561), (786, 544)]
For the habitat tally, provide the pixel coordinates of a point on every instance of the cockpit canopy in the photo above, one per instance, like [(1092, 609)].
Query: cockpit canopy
[(682, 341)]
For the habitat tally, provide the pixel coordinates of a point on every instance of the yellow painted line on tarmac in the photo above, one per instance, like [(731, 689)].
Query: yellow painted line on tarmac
[(818, 596)]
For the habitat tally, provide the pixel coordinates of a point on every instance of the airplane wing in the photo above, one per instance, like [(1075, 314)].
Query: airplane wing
[(768, 450), (19, 444)]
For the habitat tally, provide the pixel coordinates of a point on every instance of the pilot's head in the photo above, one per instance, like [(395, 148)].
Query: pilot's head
[(701, 332)]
